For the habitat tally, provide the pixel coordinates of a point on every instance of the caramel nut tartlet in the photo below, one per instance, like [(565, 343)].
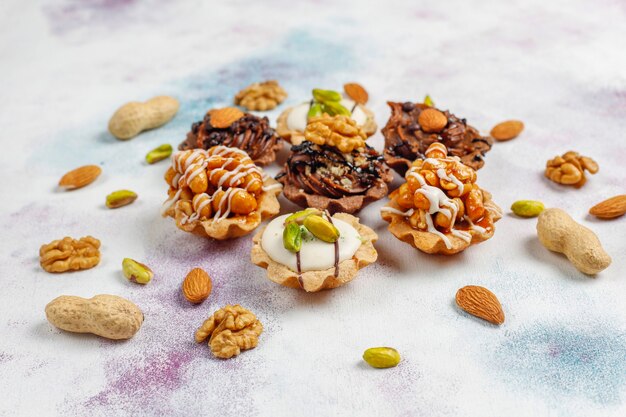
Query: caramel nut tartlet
[(318, 174), (440, 209), (293, 121), (219, 193), (413, 127), (233, 128)]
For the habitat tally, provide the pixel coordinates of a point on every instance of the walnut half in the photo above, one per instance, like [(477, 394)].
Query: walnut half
[(70, 254), (339, 131), (569, 169), (230, 330), (261, 96)]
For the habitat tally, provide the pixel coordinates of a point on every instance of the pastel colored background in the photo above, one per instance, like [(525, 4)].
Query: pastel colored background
[(67, 65)]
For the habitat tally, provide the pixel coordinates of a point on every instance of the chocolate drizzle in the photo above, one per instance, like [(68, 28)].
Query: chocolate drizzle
[(405, 141), (251, 134), (330, 219), (324, 170), (299, 267)]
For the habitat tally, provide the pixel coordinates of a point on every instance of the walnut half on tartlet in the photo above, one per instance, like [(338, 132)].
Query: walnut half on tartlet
[(440, 209), (219, 193), (293, 121), (314, 251)]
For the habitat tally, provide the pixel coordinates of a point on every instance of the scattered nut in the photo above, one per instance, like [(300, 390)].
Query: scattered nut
[(230, 330), (507, 130), (558, 232), (197, 286), (80, 177), (569, 169), (70, 254), (339, 131), (381, 357), (120, 198), (432, 120), (136, 272), (104, 315), (527, 208), (261, 96), (610, 209), (480, 302), (135, 117), (224, 117), (356, 92), (159, 153)]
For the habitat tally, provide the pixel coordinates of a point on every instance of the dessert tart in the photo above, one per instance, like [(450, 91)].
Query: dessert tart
[(293, 121), (312, 250), (219, 193), (440, 209), (334, 169), (232, 127), (413, 127)]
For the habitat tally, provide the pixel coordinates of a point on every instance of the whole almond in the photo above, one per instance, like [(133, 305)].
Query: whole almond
[(480, 302), (611, 208), (197, 286), (507, 130), (356, 92), (223, 118), (432, 120), (80, 177)]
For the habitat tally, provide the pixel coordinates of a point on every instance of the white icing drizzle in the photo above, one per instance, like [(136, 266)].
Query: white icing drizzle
[(407, 213), (474, 227)]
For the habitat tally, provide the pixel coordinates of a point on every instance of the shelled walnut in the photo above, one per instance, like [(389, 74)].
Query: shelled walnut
[(70, 254), (230, 330), (339, 131), (569, 169), (261, 96)]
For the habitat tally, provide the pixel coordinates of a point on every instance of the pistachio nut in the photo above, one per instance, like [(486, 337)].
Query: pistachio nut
[(335, 108), (429, 101), (159, 153), (321, 228), (315, 111), (527, 208), (299, 216), (381, 357), (136, 272), (326, 96), (120, 198), (292, 237)]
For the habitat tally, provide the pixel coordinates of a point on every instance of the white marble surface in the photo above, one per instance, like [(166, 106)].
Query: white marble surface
[(67, 65)]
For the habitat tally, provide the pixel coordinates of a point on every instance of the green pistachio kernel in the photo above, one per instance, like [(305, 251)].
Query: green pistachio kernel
[(120, 198), (429, 101), (321, 228), (299, 216), (527, 208), (136, 272), (381, 357), (315, 111), (159, 153), (334, 108), (292, 237), (326, 96)]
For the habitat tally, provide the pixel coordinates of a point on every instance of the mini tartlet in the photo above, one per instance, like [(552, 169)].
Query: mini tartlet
[(219, 193), (231, 127), (409, 132), (334, 169), (293, 121), (319, 262), (440, 209)]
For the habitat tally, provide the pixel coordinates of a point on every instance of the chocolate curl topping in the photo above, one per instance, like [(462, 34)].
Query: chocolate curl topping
[(324, 170), (405, 141), (251, 134)]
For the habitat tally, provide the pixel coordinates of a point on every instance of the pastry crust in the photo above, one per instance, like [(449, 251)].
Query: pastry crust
[(231, 227), (313, 281), (296, 137), (431, 243)]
